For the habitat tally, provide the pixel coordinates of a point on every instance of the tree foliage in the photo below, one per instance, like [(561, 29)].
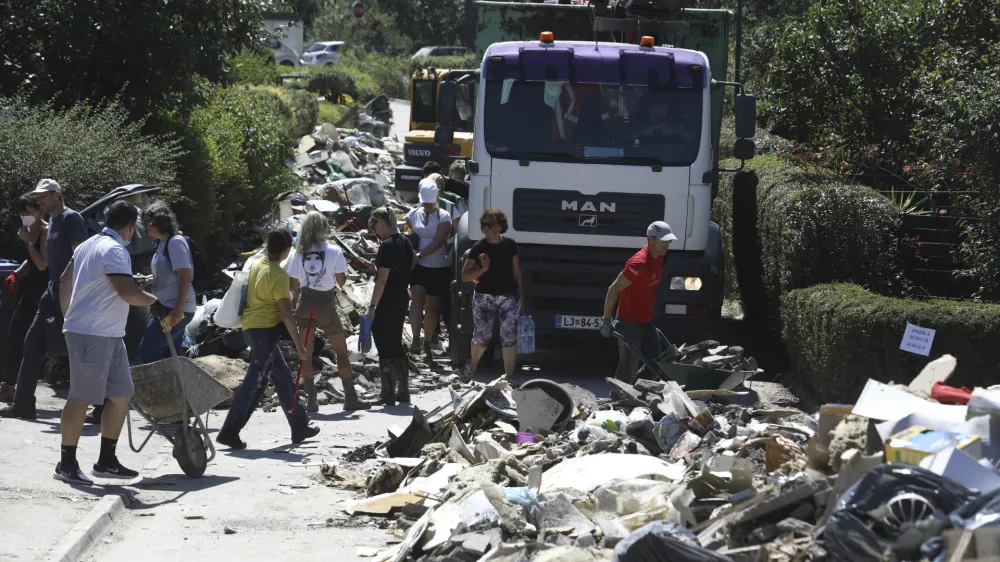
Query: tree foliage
[(144, 53), (396, 27)]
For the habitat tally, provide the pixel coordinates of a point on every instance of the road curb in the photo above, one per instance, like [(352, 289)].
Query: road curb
[(90, 529)]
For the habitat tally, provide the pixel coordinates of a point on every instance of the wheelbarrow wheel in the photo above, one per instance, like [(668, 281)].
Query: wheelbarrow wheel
[(189, 450)]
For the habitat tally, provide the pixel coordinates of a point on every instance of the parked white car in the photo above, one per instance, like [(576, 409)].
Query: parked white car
[(440, 51), (284, 55), (322, 53)]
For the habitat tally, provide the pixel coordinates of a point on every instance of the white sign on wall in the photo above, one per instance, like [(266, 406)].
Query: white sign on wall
[(917, 340)]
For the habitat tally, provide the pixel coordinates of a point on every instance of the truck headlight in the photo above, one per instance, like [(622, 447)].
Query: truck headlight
[(685, 283)]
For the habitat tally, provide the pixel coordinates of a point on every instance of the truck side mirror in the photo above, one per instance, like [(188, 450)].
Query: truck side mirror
[(447, 95), (744, 149), (745, 112)]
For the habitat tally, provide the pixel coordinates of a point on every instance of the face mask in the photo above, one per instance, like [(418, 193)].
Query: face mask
[(28, 220)]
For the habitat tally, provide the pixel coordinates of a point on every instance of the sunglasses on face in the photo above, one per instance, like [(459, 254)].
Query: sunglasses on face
[(487, 224)]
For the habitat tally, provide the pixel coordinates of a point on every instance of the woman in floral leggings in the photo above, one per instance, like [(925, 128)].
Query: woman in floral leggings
[(494, 266)]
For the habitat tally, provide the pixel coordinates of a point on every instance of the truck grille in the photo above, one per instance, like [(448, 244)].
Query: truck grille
[(570, 212), (570, 280)]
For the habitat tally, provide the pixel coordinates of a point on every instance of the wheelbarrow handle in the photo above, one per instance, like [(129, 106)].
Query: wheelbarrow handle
[(653, 367), (170, 340)]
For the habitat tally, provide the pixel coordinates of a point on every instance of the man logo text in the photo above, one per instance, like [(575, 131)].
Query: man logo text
[(588, 206)]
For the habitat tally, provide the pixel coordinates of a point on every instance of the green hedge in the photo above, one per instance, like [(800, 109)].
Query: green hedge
[(236, 146), (794, 228), (89, 151), (841, 335)]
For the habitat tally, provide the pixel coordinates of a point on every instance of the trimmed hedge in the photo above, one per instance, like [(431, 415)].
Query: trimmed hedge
[(841, 335), (794, 228), (236, 147)]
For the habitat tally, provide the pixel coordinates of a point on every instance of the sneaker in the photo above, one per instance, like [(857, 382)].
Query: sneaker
[(12, 411), (72, 475), (309, 431), (415, 345), (115, 470), (235, 443)]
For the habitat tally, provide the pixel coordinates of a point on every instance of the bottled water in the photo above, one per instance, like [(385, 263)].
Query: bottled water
[(526, 335)]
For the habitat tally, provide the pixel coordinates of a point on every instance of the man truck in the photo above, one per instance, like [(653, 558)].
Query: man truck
[(591, 123)]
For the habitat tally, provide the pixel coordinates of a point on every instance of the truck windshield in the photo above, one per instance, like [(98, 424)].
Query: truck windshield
[(562, 121)]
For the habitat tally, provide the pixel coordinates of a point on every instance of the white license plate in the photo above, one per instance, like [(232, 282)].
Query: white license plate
[(578, 322)]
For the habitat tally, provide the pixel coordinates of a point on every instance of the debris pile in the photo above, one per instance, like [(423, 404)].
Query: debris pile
[(660, 472)]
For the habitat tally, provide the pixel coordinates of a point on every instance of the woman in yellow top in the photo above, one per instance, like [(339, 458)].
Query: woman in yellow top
[(268, 306)]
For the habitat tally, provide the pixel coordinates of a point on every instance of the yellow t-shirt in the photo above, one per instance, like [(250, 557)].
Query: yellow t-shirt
[(266, 285)]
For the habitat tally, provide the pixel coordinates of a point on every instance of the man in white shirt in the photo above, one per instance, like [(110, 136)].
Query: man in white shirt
[(95, 292)]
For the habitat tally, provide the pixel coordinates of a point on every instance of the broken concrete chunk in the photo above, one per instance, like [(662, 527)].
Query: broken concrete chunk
[(625, 392)]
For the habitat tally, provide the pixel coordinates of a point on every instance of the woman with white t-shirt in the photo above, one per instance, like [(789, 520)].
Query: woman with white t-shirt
[(316, 269), (431, 278)]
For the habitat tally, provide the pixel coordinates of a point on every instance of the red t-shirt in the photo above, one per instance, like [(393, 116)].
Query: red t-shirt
[(637, 301)]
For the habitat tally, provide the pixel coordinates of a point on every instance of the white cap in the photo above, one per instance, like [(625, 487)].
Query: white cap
[(428, 191), (47, 186), (661, 230)]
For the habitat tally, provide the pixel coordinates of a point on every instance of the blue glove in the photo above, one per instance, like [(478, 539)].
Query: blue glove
[(365, 339), (606, 327)]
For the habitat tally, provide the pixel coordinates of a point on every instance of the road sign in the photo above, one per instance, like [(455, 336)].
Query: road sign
[(358, 10)]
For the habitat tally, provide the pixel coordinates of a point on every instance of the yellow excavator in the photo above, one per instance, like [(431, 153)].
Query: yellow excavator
[(433, 137)]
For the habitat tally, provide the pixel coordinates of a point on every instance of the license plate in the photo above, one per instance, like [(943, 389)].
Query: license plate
[(578, 322)]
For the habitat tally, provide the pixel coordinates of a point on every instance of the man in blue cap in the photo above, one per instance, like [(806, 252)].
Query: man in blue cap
[(634, 291)]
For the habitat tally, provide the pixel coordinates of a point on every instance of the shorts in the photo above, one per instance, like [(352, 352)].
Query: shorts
[(436, 280), (98, 368), (325, 317), (484, 311)]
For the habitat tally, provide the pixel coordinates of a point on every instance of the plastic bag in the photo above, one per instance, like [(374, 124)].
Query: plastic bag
[(230, 310), (525, 335), (861, 526), (611, 421), (365, 338), (660, 541)]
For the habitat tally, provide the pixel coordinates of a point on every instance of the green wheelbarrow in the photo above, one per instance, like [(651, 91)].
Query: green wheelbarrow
[(691, 377), (176, 390)]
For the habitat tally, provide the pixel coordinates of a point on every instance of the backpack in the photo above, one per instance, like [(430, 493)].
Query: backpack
[(201, 266)]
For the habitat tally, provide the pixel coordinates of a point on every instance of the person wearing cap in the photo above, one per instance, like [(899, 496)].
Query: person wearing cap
[(634, 290), (430, 280), (66, 231)]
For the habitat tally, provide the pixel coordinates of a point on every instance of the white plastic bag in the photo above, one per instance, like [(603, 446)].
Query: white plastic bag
[(229, 313)]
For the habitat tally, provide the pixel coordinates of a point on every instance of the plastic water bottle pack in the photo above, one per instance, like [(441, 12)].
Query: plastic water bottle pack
[(525, 335)]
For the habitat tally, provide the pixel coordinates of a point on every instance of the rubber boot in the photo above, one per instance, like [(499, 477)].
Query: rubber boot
[(351, 400), (309, 385), (402, 367), (388, 377), (415, 345)]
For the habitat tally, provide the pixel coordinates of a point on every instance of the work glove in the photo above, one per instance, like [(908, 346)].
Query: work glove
[(606, 327), (158, 310), (10, 283)]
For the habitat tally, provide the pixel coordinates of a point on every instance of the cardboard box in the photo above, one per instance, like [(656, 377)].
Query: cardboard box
[(915, 443)]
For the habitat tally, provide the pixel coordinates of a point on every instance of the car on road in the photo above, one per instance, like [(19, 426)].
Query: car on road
[(322, 53), (441, 51)]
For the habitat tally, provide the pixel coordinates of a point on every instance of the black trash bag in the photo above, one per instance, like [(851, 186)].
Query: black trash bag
[(984, 511), (869, 520), (660, 541)]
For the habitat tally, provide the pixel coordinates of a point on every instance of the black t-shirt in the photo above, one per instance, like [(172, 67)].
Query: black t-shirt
[(395, 254), (499, 280), (458, 187)]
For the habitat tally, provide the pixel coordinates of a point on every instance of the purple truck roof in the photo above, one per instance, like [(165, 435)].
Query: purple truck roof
[(599, 63)]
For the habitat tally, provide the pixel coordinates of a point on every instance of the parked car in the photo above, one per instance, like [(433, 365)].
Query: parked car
[(441, 51), (284, 55), (322, 53)]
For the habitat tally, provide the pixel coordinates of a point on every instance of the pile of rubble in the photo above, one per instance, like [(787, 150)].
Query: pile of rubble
[(345, 174), (658, 472)]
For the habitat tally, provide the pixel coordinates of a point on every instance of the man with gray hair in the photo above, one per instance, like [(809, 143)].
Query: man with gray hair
[(634, 290)]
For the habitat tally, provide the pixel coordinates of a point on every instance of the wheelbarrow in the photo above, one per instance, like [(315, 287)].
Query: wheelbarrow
[(691, 377), (176, 390)]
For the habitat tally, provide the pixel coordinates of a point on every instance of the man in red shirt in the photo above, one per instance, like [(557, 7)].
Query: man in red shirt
[(635, 293)]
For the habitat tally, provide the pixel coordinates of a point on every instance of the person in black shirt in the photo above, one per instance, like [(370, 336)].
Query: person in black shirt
[(390, 301), (495, 267)]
